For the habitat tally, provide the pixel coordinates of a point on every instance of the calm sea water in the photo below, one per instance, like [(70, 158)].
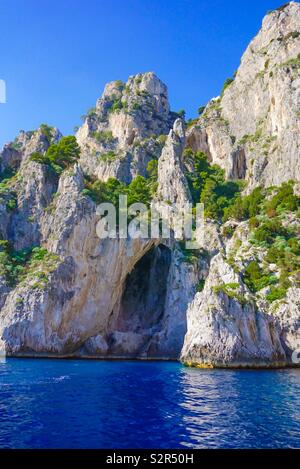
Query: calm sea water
[(96, 404)]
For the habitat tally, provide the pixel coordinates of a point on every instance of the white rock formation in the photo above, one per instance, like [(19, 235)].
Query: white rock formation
[(227, 330), (172, 184), (252, 131), (120, 136), (82, 309), (129, 297)]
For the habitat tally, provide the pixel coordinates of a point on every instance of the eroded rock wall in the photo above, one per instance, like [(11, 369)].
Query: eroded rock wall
[(252, 130), (152, 298)]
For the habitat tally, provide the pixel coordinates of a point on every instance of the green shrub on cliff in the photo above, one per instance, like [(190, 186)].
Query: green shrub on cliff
[(231, 290), (258, 203), (4, 258), (6, 174), (152, 172), (269, 230), (276, 293), (256, 278), (227, 83), (117, 105), (59, 156), (12, 203), (201, 170), (103, 137), (109, 156), (47, 131), (208, 185), (64, 153), (139, 190), (245, 207), (34, 262), (284, 199), (217, 196), (285, 253), (100, 191)]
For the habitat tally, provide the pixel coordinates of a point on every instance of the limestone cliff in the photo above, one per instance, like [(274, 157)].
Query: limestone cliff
[(252, 129), (86, 296), (126, 129), (234, 302)]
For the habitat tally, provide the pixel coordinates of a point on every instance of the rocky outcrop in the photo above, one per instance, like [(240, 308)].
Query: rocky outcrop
[(287, 314), (29, 187), (34, 185), (226, 329), (252, 130), (66, 292), (126, 128), (90, 304), (102, 297), (172, 185), (229, 325), (26, 143), (91, 296)]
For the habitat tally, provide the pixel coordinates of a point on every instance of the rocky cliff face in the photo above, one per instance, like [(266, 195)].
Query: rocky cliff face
[(228, 330), (126, 129), (252, 129), (122, 297), (234, 302)]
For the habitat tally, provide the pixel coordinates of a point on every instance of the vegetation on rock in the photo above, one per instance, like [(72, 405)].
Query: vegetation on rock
[(34, 262), (103, 137), (59, 156), (208, 185), (231, 290), (139, 190)]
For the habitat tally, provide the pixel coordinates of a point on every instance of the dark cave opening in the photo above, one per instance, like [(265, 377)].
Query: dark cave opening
[(143, 299)]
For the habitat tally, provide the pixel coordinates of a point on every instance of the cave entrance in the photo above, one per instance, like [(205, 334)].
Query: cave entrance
[(143, 300)]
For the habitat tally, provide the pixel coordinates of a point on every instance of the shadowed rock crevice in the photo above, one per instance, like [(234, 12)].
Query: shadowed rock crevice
[(238, 164), (142, 308), (143, 299)]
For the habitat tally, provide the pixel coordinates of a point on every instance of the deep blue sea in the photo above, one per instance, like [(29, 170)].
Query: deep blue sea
[(111, 404)]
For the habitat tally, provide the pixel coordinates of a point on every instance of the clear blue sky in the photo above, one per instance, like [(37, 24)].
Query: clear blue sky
[(57, 55)]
